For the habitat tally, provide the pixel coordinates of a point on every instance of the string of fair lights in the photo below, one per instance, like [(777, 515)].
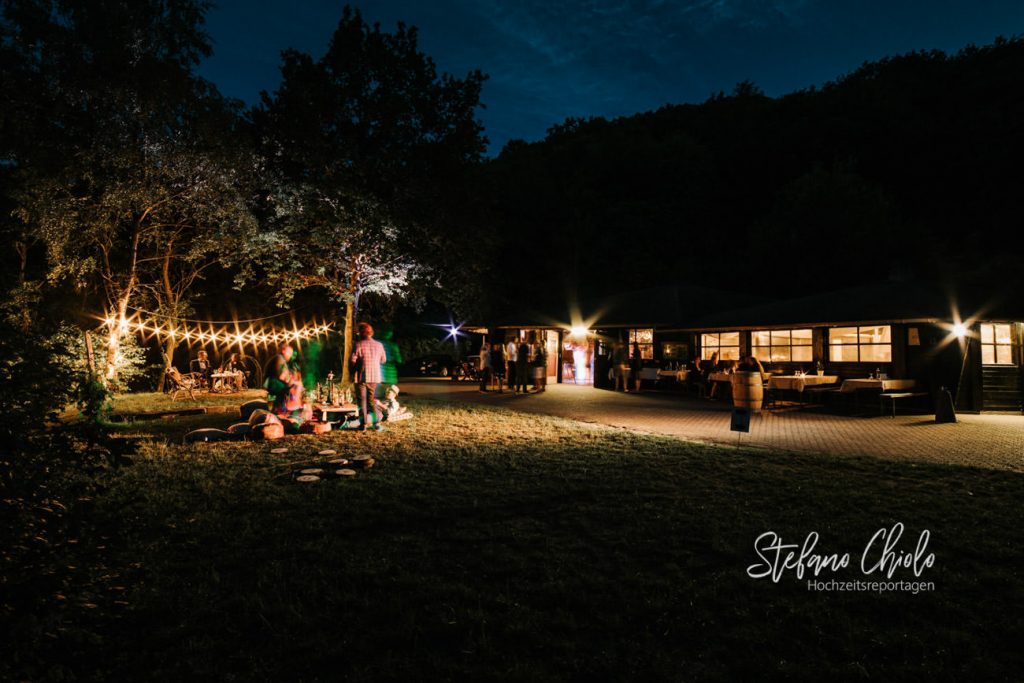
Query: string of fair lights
[(215, 332)]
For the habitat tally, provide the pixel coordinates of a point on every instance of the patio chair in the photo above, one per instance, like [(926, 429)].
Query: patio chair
[(176, 384)]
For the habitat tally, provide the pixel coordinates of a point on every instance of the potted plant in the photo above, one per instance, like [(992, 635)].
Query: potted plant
[(820, 367)]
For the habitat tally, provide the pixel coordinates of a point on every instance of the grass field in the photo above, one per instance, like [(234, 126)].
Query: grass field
[(493, 545)]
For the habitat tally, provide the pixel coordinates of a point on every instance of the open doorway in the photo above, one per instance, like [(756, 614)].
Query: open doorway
[(578, 358)]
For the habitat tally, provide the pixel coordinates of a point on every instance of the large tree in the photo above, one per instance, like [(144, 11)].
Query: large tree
[(126, 179), (362, 144)]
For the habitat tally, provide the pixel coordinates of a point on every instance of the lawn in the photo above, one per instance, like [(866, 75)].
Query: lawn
[(154, 401), (493, 545)]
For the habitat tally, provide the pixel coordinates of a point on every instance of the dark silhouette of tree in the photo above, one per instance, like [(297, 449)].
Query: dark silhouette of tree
[(126, 175), (365, 145)]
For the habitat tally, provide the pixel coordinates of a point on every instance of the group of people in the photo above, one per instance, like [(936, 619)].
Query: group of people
[(510, 363), (230, 368), (368, 360), (700, 373), (626, 367)]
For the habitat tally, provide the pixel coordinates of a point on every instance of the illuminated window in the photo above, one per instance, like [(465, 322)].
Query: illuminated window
[(996, 344), (782, 346), (727, 344), (645, 338), (867, 344)]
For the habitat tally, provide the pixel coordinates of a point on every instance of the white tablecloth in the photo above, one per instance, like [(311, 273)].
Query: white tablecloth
[(878, 384), (799, 382), (678, 375)]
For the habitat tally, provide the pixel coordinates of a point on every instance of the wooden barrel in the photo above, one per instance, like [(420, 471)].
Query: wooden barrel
[(747, 390)]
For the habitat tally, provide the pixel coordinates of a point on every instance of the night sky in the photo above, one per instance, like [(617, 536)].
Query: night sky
[(551, 60)]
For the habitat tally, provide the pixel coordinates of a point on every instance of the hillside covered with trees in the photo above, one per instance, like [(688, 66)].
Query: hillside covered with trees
[(907, 167)]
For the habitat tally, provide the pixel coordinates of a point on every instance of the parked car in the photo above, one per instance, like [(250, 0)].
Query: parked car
[(434, 365)]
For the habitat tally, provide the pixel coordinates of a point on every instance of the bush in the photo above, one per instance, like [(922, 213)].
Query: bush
[(39, 372)]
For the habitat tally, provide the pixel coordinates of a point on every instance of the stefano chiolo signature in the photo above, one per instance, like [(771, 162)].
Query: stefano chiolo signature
[(882, 556)]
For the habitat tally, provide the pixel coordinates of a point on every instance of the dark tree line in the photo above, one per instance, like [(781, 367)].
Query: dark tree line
[(127, 181), (907, 167)]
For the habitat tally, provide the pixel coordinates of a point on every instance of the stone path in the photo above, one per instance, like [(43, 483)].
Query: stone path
[(987, 441)]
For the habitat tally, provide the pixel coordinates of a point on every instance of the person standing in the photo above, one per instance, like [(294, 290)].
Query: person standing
[(485, 365), (636, 367), (511, 354), (620, 366), (540, 365), (368, 356), (522, 366), (498, 366)]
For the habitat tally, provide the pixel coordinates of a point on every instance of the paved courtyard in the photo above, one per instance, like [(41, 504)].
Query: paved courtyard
[(989, 441)]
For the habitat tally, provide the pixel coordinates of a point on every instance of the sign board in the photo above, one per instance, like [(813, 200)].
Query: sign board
[(740, 420)]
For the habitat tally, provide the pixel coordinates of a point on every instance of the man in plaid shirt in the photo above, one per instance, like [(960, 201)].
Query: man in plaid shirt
[(368, 356)]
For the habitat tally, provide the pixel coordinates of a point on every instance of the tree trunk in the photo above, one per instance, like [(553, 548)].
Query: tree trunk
[(346, 375), (351, 311), (171, 304), (114, 333)]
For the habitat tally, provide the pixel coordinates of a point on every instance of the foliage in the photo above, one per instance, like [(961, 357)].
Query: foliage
[(39, 373), (908, 162), (135, 182), (359, 142)]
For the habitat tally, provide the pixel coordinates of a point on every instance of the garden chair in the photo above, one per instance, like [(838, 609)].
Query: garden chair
[(176, 383)]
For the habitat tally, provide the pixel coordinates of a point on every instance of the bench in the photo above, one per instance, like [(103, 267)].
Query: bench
[(896, 396)]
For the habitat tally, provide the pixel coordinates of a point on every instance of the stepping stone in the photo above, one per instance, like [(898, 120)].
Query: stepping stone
[(307, 479), (364, 461), (327, 452), (312, 470), (337, 462), (278, 451), (345, 473)]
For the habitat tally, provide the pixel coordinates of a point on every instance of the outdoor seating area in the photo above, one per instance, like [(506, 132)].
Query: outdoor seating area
[(784, 389), (234, 375)]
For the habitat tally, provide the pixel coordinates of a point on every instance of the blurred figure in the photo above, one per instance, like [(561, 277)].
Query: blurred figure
[(511, 357), (522, 367), (497, 356), (751, 364), (393, 355), (620, 366), (285, 383), (636, 367), (485, 365)]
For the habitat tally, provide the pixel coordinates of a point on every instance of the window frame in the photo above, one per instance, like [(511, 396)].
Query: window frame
[(790, 345), (646, 347), (858, 344), (995, 345), (706, 351)]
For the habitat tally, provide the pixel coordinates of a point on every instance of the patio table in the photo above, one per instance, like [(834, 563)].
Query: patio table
[(799, 382), (326, 412), (224, 382), (649, 373), (877, 384), (678, 375)]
